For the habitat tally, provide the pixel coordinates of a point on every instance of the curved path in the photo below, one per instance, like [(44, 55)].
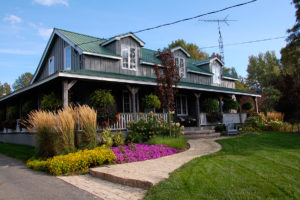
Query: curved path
[(125, 181)]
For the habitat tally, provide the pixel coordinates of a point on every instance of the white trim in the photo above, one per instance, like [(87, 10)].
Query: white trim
[(196, 72), (149, 63), (89, 77), (65, 56), (184, 65), (229, 78), (49, 78), (182, 49), (51, 58), (123, 36), (102, 55), (68, 41)]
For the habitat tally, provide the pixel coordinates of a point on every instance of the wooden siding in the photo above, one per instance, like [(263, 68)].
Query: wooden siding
[(57, 50)]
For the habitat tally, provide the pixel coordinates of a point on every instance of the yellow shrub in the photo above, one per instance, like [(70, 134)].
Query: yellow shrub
[(79, 161)]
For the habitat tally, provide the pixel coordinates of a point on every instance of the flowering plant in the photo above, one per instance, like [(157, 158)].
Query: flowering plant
[(140, 152)]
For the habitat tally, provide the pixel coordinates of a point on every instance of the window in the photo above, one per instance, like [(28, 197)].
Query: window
[(67, 58), (181, 105), (51, 65), (217, 74), (129, 57), (181, 66)]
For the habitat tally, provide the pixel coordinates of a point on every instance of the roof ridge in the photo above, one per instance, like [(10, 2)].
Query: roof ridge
[(59, 29)]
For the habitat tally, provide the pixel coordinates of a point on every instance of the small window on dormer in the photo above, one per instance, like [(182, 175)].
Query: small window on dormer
[(51, 65), (67, 58), (129, 57), (180, 62)]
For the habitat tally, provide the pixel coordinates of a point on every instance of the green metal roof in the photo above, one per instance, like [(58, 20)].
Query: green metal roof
[(86, 42), (228, 75), (148, 55), (148, 79)]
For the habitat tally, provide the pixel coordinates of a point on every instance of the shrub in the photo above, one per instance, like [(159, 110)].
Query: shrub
[(12, 112), (255, 121), (214, 117), (248, 106), (230, 104), (144, 129), (79, 161), (178, 143), (102, 98), (51, 102), (118, 139), (106, 139), (210, 105), (151, 101), (220, 128)]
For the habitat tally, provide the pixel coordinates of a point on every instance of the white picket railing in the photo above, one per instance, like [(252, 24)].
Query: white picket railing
[(127, 117)]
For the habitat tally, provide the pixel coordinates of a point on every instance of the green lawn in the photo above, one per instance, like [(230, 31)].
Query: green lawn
[(21, 152), (265, 166)]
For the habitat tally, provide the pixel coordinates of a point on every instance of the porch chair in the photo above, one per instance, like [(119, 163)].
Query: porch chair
[(231, 129)]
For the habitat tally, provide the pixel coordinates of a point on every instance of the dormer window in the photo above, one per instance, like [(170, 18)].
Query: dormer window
[(129, 57), (180, 62), (51, 65), (67, 58), (217, 73)]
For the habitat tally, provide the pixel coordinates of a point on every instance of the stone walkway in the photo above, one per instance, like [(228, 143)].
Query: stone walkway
[(139, 175)]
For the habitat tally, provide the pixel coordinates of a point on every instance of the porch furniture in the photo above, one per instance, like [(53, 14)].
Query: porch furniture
[(231, 129)]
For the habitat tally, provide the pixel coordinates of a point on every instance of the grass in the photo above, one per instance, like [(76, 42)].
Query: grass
[(265, 166), (20, 152), (178, 143)]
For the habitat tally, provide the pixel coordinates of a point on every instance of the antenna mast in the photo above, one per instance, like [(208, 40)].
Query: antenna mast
[(221, 46)]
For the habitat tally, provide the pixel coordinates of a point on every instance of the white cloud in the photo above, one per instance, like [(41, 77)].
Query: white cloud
[(12, 19), (51, 2), (45, 33), (18, 52)]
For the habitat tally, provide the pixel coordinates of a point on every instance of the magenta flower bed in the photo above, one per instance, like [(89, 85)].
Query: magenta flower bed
[(139, 152)]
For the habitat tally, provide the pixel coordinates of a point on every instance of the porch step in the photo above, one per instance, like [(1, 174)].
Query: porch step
[(203, 135), (197, 132)]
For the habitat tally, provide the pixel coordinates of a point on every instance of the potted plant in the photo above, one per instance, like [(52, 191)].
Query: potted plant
[(51, 102), (230, 104), (151, 102), (211, 107)]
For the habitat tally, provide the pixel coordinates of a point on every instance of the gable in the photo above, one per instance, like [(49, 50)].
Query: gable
[(119, 37)]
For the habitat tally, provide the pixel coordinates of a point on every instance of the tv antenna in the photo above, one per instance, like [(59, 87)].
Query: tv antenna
[(225, 20)]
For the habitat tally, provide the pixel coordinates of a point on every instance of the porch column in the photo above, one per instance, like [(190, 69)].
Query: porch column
[(66, 86), (255, 104), (221, 104), (133, 91), (197, 95), (238, 98)]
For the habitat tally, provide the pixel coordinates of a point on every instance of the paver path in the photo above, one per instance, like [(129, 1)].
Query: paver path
[(150, 171)]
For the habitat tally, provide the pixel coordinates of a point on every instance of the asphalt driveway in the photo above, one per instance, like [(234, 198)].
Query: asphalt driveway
[(19, 182)]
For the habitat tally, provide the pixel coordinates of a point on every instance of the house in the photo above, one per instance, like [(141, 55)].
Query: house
[(73, 65)]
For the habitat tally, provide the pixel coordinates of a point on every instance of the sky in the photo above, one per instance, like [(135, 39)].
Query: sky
[(26, 25)]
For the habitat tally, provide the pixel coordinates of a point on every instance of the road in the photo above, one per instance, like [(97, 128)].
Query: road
[(18, 182)]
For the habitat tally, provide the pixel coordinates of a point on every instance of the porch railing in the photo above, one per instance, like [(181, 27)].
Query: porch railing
[(227, 118), (127, 117)]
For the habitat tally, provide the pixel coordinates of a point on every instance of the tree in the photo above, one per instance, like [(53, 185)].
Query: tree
[(269, 99), (191, 48), (262, 70), (288, 83), (4, 89), (231, 71), (241, 86), (167, 78), (22, 81)]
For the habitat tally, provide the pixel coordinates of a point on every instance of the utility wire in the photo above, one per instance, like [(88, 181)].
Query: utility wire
[(182, 20), (247, 42)]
